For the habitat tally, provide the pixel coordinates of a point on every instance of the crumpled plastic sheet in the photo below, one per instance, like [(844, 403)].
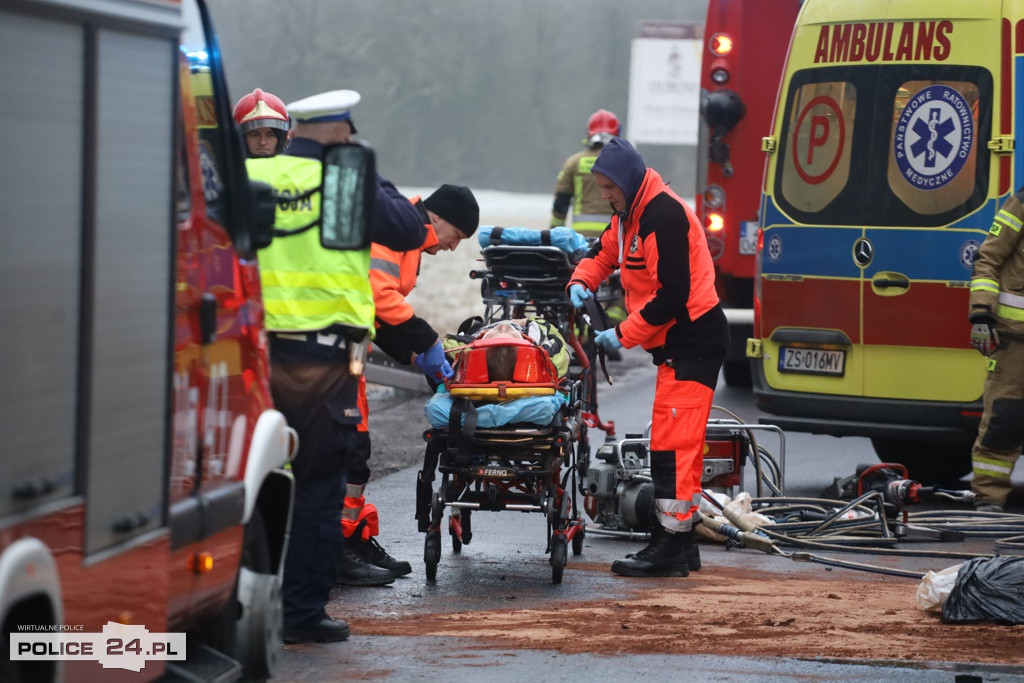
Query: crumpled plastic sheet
[(935, 587), (987, 589)]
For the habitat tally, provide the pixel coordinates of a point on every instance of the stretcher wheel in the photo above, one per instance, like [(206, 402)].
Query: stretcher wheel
[(577, 541), (559, 556), (432, 554)]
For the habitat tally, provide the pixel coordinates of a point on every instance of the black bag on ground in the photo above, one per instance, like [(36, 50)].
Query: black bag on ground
[(987, 589)]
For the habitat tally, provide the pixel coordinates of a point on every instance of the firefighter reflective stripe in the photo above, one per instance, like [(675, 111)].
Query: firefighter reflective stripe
[(992, 468), (1011, 306), (984, 285), (307, 287), (385, 266), (1006, 218), (590, 224)]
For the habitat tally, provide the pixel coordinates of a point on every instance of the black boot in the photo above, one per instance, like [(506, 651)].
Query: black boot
[(355, 569), (378, 556), (692, 551), (665, 555)]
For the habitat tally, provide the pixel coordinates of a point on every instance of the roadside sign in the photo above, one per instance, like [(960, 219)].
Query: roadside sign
[(664, 83)]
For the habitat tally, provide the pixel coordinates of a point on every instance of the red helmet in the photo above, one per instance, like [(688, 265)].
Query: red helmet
[(260, 109), (602, 121)]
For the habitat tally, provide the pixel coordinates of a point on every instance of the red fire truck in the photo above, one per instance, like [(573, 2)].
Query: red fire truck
[(142, 477), (746, 43)]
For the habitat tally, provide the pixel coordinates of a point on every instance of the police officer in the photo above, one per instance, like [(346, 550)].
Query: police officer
[(997, 319), (675, 315), (319, 308)]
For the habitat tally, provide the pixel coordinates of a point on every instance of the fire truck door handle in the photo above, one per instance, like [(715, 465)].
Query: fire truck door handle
[(32, 488), (207, 318), (130, 521)]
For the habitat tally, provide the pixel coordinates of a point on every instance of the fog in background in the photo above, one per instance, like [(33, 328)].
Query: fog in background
[(494, 95)]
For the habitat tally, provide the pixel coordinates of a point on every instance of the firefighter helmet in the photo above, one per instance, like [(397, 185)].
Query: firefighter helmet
[(261, 109), (601, 127)]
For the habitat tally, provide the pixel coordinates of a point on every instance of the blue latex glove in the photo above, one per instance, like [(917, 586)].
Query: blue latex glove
[(578, 294), (433, 363), (608, 339)]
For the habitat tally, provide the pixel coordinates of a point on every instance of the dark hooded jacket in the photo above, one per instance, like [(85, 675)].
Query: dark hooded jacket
[(666, 268)]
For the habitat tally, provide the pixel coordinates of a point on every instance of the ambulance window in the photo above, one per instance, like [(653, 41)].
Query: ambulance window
[(816, 160), (932, 163)]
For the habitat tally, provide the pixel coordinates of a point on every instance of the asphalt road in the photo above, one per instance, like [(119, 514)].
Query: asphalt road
[(506, 565)]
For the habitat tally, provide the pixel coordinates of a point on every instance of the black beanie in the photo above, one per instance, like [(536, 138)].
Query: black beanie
[(457, 205)]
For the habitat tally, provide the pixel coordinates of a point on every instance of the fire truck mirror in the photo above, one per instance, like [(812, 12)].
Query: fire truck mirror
[(349, 187)]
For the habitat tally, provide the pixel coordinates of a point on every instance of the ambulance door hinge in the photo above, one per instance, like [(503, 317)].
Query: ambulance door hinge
[(769, 144), (1002, 144), (754, 348)]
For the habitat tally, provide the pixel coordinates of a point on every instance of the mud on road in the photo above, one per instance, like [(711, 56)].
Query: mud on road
[(730, 611)]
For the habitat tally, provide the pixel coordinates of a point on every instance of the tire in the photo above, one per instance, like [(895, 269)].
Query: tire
[(737, 373), (559, 556), (258, 627), (9, 671), (577, 541), (432, 554), (929, 462)]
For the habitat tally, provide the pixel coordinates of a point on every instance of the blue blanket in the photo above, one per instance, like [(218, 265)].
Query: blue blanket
[(562, 237), (537, 410)]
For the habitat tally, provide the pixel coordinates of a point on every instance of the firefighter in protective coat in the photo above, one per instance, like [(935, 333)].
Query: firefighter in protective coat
[(997, 319), (657, 243), (575, 185)]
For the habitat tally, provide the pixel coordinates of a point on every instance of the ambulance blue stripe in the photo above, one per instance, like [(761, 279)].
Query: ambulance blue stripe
[(940, 252)]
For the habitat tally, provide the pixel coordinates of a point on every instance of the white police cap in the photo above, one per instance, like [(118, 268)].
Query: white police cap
[(334, 105)]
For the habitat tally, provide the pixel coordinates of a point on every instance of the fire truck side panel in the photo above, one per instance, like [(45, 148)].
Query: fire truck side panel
[(128, 354), (39, 353)]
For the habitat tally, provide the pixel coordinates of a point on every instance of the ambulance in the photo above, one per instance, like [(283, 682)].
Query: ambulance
[(892, 148)]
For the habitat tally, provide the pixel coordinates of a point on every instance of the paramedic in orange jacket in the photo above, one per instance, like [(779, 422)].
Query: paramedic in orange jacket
[(657, 243), (451, 214)]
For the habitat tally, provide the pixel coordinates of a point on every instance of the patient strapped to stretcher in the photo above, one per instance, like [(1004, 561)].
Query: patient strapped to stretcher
[(511, 371)]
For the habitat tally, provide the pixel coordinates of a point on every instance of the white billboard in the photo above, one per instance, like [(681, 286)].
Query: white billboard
[(664, 83)]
